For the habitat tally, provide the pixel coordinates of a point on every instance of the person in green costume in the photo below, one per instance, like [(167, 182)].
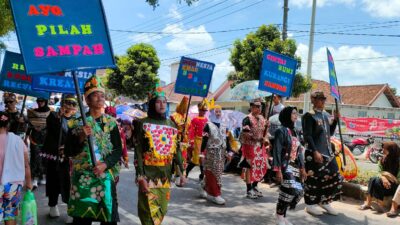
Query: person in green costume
[(93, 195), (156, 149)]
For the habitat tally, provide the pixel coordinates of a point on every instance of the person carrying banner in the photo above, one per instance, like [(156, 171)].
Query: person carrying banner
[(324, 182), (288, 163), (18, 123), (156, 149), (195, 136), (178, 117), (93, 195), (57, 164), (214, 148), (254, 154), (36, 134)]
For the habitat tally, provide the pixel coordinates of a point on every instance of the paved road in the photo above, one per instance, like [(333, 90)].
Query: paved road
[(187, 208)]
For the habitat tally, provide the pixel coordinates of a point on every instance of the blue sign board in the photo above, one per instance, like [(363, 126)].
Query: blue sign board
[(334, 86), (61, 83), (277, 73), (63, 35), (194, 77), (13, 77)]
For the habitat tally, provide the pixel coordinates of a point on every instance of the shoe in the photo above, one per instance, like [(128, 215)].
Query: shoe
[(280, 220), (287, 221), (257, 192), (250, 194), (313, 210), (365, 207), (217, 200), (34, 184), (328, 208), (54, 212), (42, 182), (392, 214), (69, 220), (202, 192)]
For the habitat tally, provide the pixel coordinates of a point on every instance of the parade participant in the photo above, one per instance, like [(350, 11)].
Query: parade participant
[(93, 195), (288, 163), (156, 148), (14, 170), (36, 134), (195, 138), (324, 182), (18, 123), (386, 183), (178, 117), (57, 165), (214, 146), (254, 154), (278, 106)]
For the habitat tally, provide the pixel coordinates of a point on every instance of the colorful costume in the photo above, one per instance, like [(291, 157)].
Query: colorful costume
[(156, 149), (94, 198)]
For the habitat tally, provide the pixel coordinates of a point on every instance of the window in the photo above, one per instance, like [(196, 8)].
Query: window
[(362, 113), (390, 116)]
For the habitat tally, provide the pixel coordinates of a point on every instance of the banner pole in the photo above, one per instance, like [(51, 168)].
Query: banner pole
[(340, 133), (270, 106), (186, 117), (83, 115), (23, 105)]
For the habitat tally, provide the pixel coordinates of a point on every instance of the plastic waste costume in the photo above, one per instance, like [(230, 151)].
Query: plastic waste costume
[(155, 151), (94, 198)]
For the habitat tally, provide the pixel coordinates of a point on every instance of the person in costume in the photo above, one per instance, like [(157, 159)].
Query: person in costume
[(36, 134), (18, 123), (253, 149), (288, 163), (155, 151), (195, 138), (93, 195), (178, 117), (57, 165), (323, 184), (214, 147)]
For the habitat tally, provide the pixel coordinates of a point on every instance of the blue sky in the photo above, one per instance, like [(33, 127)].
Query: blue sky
[(182, 30)]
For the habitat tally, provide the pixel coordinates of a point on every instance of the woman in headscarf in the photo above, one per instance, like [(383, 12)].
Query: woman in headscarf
[(214, 144), (288, 163), (156, 149)]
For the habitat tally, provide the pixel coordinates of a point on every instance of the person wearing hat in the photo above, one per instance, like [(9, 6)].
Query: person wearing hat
[(36, 134), (93, 195), (178, 117), (323, 184), (288, 163), (195, 138), (57, 165), (157, 147), (18, 123), (254, 154)]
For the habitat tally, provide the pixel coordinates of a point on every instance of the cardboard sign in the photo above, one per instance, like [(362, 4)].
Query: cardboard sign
[(63, 35), (194, 77), (334, 86), (61, 83), (277, 73), (13, 77)]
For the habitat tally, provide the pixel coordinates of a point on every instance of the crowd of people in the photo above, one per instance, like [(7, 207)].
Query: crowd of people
[(166, 149)]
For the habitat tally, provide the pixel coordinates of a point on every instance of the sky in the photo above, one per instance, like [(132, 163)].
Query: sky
[(362, 35)]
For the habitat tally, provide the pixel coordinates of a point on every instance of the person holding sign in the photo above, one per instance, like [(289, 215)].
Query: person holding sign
[(195, 136), (323, 184), (57, 165), (155, 151), (93, 195), (254, 155)]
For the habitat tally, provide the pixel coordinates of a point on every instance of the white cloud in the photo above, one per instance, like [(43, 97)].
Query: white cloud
[(221, 71), (320, 3), (380, 69), (140, 15), (174, 13), (146, 38), (188, 42), (383, 8)]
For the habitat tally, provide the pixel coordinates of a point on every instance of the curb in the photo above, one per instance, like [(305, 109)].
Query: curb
[(359, 192)]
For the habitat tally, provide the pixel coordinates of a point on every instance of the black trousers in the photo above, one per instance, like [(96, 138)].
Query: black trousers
[(81, 221), (378, 191), (58, 182)]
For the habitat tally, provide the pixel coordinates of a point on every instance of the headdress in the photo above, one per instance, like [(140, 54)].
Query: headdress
[(93, 84)]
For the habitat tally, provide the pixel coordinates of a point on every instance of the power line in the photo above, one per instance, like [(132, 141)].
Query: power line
[(197, 32)]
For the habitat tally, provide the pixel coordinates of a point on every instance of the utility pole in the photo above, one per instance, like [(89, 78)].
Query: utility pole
[(285, 17), (310, 56)]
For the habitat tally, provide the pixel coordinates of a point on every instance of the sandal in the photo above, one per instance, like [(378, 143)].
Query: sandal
[(392, 214), (365, 207)]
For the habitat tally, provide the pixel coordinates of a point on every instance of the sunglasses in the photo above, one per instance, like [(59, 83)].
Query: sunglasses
[(70, 103)]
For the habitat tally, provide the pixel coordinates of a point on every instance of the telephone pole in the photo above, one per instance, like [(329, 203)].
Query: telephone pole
[(285, 18)]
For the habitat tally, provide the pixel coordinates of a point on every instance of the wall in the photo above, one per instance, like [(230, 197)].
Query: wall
[(382, 101)]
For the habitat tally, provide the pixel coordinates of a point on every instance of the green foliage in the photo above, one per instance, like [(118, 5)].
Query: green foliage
[(136, 72), (364, 176), (246, 56), (155, 3), (6, 20)]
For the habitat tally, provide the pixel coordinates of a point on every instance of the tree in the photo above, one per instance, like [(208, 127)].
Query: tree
[(155, 3), (136, 72), (246, 56), (6, 20)]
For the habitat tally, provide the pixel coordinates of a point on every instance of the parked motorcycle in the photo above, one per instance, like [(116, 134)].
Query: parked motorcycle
[(375, 154), (357, 145)]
